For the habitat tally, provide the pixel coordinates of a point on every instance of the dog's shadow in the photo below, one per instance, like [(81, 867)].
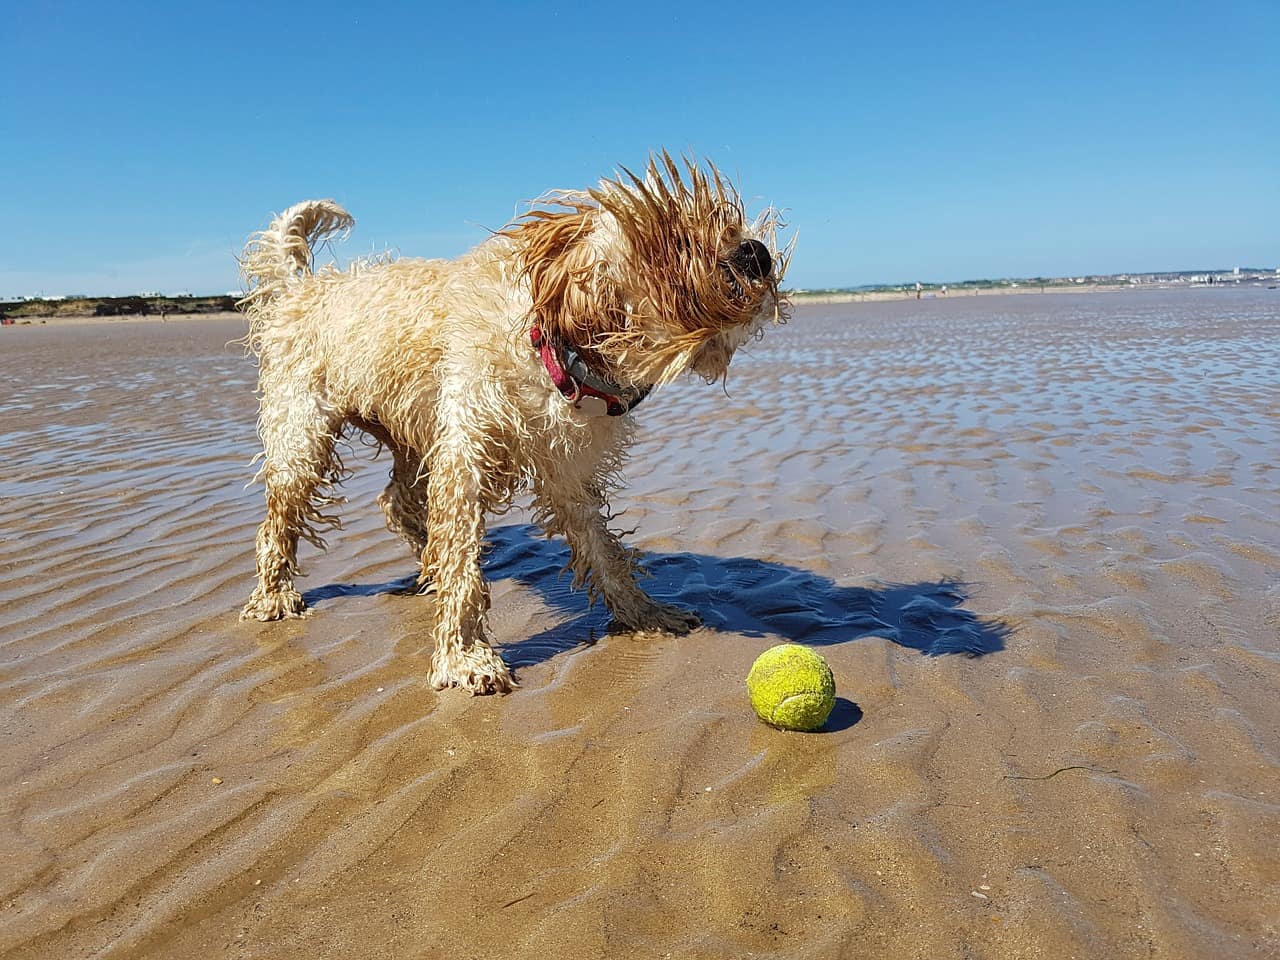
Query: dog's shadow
[(735, 594)]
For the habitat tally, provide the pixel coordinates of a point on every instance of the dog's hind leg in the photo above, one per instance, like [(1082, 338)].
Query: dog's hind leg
[(404, 499), (299, 441), (455, 536), (404, 503), (601, 563)]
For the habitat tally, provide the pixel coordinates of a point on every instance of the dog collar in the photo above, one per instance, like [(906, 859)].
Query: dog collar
[(589, 393)]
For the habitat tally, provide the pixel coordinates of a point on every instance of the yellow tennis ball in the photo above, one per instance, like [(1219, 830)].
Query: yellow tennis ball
[(791, 687)]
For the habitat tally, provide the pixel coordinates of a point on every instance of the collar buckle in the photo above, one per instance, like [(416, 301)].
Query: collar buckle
[(591, 395)]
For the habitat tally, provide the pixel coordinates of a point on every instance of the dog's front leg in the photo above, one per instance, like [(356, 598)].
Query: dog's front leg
[(455, 535), (601, 563)]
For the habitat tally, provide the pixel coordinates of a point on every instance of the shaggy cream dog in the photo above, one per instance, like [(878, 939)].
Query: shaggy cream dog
[(511, 369)]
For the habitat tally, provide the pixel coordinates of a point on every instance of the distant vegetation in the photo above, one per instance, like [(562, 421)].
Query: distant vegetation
[(115, 306)]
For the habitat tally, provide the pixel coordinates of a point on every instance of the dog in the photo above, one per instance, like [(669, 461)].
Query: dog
[(510, 370)]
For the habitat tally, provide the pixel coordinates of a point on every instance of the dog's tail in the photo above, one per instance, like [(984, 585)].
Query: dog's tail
[(280, 254)]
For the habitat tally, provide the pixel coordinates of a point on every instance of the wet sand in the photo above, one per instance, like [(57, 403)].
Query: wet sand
[(1036, 538)]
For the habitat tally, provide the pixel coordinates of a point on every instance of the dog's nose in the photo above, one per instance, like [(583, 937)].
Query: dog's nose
[(752, 260)]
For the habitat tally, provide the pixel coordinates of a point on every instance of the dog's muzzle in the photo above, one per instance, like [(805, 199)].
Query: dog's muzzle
[(751, 260)]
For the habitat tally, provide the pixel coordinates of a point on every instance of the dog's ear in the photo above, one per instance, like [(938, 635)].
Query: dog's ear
[(575, 301)]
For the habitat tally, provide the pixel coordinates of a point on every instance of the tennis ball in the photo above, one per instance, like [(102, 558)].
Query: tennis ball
[(791, 687)]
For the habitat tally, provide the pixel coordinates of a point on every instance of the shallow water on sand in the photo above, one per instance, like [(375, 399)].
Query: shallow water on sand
[(1035, 536)]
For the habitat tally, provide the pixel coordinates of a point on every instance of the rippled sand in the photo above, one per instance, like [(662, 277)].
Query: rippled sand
[(1082, 491)]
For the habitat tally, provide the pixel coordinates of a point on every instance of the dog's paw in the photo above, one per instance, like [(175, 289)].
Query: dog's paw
[(281, 605), (660, 618), (478, 670), (414, 587)]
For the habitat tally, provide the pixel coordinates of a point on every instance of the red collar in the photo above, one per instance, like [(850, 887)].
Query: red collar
[(589, 393)]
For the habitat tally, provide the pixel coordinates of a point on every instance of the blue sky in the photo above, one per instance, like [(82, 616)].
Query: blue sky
[(141, 143)]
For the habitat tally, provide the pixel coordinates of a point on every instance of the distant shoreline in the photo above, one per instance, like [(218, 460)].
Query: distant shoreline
[(93, 309), (798, 297), (877, 296)]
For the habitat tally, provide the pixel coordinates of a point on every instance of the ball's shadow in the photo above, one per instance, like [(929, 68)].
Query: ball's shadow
[(735, 594), (843, 716)]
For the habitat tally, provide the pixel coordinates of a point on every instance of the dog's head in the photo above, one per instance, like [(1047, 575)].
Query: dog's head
[(652, 277)]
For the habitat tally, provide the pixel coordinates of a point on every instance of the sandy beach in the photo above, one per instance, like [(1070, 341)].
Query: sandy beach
[(1037, 539)]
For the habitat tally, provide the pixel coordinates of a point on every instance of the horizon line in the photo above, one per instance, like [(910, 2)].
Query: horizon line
[(1072, 278)]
